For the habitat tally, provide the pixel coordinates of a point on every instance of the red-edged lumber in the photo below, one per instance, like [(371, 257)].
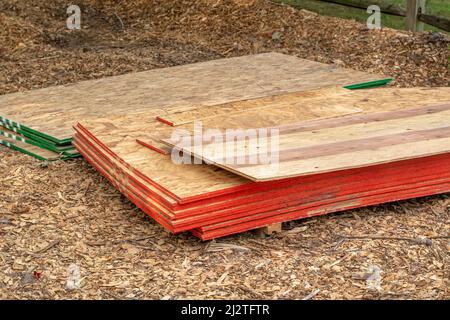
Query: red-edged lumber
[(271, 202)]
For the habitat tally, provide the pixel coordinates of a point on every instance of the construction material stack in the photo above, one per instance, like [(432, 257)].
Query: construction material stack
[(336, 148), (35, 144)]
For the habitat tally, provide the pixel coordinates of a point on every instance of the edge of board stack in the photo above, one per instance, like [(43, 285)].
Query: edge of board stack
[(33, 143)]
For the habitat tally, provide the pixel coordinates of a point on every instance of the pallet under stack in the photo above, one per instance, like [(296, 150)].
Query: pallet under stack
[(354, 148)]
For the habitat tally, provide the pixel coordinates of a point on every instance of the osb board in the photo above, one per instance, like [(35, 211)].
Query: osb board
[(294, 107), (35, 151), (12, 133), (121, 171), (303, 193), (55, 110), (391, 186), (329, 145), (274, 110), (279, 107), (415, 192), (336, 144), (119, 134), (300, 106), (30, 135)]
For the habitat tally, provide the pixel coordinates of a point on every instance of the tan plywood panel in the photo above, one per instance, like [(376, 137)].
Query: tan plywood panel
[(55, 110), (391, 125)]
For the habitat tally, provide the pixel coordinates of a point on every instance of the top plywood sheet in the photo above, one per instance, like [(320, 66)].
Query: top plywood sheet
[(55, 110), (300, 106), (391, 125)]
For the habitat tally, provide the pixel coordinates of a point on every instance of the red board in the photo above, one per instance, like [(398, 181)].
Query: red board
[(255, 205)]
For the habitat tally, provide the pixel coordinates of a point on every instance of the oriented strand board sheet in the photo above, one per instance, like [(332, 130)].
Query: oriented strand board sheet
[(291, 108), (335, 144), (281, 108), (307, 147), (177, 180), (53, 111), (13, 134), (352, 140), (274, 110), (239, 226), (32, 136), (300, 106), (119, 134), (34, 151)]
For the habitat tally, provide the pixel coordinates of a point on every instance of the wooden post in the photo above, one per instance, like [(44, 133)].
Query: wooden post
[(413, 9)]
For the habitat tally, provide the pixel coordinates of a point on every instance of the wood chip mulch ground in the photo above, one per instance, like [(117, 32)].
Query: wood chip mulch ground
[(65, 232)]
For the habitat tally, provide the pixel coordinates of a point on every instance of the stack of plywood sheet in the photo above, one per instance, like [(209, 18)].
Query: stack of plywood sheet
[(339, 149), (21, 139), (336, 148)]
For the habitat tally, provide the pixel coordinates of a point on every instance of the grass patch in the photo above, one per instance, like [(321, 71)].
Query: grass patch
[(435, 7)]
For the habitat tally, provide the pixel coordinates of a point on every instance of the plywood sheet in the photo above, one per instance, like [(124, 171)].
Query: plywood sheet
[(55, 110), (34, 151), (12, 133), (255, 221), (277, 108), (315, 146), (301, 106), (120, 133), (342, 143), (183, 182), (355, 187), (305, 193)]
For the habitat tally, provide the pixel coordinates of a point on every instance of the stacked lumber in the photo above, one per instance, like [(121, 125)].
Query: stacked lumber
[(336, 148), (30, 142), (365, 147), (44, 118)]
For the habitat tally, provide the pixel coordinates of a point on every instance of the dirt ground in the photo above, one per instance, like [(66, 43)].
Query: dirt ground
[(59, 217)]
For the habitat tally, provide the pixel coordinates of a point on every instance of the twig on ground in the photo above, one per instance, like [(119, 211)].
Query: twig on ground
[(48, 247), (87, 188), (114, 242), (311, 295), (249, 290), (120, 20)]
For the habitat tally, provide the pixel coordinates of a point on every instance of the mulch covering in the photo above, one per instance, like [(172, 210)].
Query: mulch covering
[(58, 214), (38, 51)]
